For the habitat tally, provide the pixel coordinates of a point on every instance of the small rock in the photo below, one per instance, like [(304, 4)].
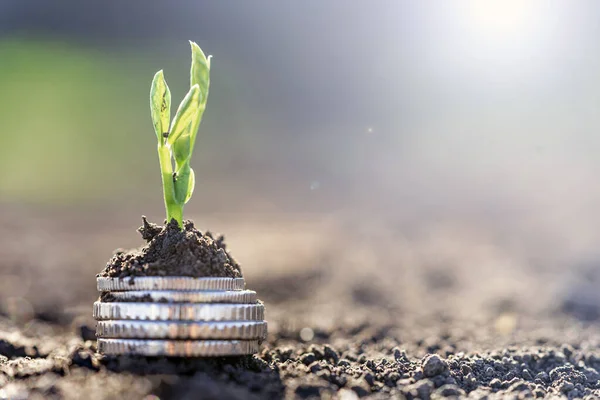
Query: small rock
[(543, 376), (316, 351), (422, 389), (509, 376), (315, 367), (371, 365), (567, 350), (87, 333), (469, 380), (433, 365), (518, 387), (308, 358), (399, 355), (308, 391), (330, 353), (566, 387), (83, 359), (539, 393), (392, 378), (591, 374), (449, 391), (450, 381), (370, 378), (495, 383), (361, 389), (527, 375)]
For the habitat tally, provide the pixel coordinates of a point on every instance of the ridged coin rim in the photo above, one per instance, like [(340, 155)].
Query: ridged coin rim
[(181, 330), (178, 311), (168, 283), (178, 348), (176, 296)]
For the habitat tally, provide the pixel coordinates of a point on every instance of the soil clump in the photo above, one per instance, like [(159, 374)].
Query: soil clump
[(172, 251)]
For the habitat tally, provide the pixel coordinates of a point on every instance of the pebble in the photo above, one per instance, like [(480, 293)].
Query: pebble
[(308, 358), (495, 383), (543, 376), (449, 391), (433, 365), (315, 367), (330, 353)]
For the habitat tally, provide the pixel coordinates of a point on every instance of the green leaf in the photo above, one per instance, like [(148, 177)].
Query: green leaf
[(185, 113), (183, 183), (182, 151), (191, 185), (199, 75), (183, 146), (200, 71), (160, 105)]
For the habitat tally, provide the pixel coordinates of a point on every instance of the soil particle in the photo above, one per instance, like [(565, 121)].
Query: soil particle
[(171, 251), (421, 389), (86, 333), (433, 365), (448, 391), (14, 347)]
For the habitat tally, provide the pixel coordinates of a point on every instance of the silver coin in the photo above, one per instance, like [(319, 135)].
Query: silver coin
[(179, 312), (168, 283), (200, 296), (178, 348), (181, 330)]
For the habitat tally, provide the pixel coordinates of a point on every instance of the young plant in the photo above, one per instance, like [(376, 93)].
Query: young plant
[(176, 140)]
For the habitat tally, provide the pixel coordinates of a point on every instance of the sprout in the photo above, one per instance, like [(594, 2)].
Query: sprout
[(176, 141)]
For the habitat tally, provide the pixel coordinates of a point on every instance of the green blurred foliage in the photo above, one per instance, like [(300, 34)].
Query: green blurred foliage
[(76, 127), (69, 120)]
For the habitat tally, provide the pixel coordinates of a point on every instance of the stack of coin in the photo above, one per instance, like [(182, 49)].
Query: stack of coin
[(178, 316)]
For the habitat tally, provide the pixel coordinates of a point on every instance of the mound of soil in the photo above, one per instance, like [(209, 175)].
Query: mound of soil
[(171, 251)]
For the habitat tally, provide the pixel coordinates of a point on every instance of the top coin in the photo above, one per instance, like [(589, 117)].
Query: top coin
[(168, 283)]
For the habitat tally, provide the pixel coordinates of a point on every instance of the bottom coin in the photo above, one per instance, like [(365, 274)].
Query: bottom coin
[(178, 348)]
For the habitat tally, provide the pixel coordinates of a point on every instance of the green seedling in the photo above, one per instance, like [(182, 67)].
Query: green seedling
[(176, 138)]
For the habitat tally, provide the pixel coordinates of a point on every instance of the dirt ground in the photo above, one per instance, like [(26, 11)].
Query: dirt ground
[(384, 309)]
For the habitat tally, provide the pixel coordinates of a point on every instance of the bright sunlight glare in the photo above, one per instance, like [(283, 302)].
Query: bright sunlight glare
[(501, 20), (497, 40)]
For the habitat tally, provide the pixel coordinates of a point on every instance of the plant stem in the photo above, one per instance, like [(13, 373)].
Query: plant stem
[(174, 210)]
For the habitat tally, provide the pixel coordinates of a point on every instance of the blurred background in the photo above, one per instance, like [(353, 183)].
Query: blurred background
[(450, 148)]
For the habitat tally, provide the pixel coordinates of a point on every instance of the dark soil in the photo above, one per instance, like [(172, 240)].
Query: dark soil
[(364, 362), (171, 251), (341, 332)]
